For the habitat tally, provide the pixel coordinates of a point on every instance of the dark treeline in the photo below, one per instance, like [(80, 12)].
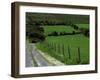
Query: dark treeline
[(84, 31), (57, 19), (63, 33)]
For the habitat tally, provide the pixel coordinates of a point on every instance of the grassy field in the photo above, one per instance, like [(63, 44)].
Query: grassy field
[(83, 26), (69, 49), (50, 29)]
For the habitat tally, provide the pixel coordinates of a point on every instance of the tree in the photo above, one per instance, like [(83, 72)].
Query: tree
[(34, 31)]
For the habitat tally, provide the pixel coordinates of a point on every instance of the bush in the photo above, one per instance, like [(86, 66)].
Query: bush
[(53, 34), (73, 32)]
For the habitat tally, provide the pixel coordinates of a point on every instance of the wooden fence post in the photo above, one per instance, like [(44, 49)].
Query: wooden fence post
[(59, 48), (63, 52), (69, 52), (79, 59)]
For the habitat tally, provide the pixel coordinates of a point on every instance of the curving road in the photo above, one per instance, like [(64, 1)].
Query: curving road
[(29, 62), (39, 59)]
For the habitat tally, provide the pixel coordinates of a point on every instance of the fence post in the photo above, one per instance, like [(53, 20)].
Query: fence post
[(64, 56), (69, 52), (52, 45), (55, 47), (79, 59), (59, 48)]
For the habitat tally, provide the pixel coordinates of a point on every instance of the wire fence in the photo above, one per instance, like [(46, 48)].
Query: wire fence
[(64, 53)]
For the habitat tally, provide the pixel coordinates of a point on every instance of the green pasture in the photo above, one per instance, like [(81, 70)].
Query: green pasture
[(69, 49), (58, 28), (83, 26)]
